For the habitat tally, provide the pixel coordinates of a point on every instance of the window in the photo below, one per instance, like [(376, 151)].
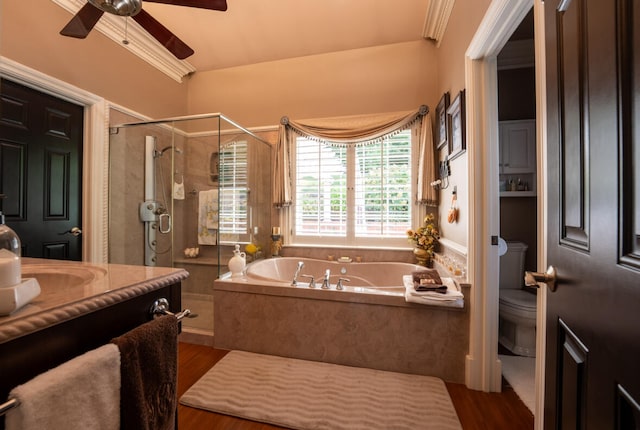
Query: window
[(356, 195), (233, 209)]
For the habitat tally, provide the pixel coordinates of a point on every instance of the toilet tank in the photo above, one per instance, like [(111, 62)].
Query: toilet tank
[(512, 265)]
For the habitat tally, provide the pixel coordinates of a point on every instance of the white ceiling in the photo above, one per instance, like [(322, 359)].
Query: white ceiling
[(254, 31)]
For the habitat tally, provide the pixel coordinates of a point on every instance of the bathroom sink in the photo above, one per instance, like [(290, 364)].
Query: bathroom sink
[(54, 281), (62, 276)]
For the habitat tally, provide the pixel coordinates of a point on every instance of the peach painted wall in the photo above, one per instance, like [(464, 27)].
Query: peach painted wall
[(29, 35), (370, 80), (463, 24)]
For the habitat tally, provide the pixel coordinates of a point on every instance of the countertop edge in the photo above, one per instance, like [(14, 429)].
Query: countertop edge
[(33, 323)]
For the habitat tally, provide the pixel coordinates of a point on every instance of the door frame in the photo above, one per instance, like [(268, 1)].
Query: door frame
[(95, 162), (483, 368)]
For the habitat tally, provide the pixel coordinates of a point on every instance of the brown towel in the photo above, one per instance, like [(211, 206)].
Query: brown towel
[(148, 357), (426, 277), (442, 289)]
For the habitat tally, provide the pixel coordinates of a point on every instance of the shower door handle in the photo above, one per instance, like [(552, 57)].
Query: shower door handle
[(164, 223), (550, 277)]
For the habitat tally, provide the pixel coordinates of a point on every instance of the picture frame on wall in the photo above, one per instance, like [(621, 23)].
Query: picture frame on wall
[(442, 126), (457, 126)]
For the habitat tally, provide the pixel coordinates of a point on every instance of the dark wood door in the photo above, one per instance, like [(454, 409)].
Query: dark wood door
[(593, 319), (41, 171)]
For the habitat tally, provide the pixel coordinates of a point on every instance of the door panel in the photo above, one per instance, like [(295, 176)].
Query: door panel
[(574, 123), (628, 63), (41, 170), (593, 318)]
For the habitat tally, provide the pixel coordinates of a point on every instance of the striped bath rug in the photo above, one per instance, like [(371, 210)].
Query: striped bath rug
[(308, 395)]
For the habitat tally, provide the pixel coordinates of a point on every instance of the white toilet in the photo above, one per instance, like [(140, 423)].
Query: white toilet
[(517, 308)]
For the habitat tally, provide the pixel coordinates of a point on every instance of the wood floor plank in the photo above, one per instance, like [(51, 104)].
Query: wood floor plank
[(476, 410)]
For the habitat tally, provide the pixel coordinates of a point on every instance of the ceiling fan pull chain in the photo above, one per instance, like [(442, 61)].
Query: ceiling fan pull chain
[(125, 41)]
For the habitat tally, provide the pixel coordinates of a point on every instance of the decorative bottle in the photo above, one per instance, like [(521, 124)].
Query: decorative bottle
[(237, 263), (10, 270)]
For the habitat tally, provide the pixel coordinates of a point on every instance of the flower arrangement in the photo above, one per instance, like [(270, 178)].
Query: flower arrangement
[(425, 238), (252, 250)]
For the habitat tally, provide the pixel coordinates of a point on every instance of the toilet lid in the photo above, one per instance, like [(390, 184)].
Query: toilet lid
[(518, 299)]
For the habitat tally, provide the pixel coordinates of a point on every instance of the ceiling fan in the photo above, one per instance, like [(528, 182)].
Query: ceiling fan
[(83, 22)]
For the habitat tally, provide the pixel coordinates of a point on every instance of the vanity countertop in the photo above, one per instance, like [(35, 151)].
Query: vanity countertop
[(70, 289)]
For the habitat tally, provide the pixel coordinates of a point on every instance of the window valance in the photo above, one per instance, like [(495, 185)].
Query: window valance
[(356, 130)]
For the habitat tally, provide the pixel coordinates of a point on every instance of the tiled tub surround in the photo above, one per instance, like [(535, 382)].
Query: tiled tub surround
[(363, 327)]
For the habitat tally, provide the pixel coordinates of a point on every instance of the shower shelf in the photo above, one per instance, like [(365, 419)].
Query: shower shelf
[(201, 261)]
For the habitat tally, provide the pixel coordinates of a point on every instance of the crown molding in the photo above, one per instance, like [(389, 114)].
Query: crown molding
[(435, 23), (141, 43)]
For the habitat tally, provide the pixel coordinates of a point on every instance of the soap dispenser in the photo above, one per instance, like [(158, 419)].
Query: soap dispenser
[(10, 270), (15, 292), (237, 263)]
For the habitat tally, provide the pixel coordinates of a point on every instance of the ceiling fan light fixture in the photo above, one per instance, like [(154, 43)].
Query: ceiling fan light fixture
[(119, 7)]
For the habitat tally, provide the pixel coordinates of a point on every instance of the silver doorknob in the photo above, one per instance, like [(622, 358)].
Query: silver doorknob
[(75, 231), (533, 279)]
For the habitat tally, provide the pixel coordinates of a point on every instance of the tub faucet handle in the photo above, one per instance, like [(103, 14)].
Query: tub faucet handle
[(312, 282), (340, 281)]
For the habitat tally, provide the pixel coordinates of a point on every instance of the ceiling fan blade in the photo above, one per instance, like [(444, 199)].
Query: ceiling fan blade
[(202, 4), (83, 21), (169, 40)]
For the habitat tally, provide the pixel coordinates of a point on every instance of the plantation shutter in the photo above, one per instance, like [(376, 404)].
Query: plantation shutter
[(383, 187), (321, 182), (233, 189)]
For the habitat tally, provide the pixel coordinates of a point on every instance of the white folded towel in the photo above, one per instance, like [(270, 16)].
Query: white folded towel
[(452, 298), (83, 393), (207, 217)]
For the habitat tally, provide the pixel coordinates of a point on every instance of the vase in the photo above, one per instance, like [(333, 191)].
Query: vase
[(237, 263), (423, 256)]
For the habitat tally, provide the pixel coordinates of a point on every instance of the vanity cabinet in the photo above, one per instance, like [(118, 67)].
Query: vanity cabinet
[(517, 157), (517, 146), (65, 322)]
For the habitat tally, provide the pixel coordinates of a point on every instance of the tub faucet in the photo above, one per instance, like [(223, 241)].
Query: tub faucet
[(325, 281), (312, 282), (340, 281), (295, 275)]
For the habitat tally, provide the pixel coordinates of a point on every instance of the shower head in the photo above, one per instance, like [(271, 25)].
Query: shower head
[(158, 154)]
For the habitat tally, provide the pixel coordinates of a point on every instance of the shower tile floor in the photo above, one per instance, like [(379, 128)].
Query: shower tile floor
[(201, 306)]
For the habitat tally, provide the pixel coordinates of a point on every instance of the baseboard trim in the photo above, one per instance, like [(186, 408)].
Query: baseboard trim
[(195, 336)]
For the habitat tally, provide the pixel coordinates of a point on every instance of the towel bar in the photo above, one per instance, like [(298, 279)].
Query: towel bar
[(9, 404), (161, 307)]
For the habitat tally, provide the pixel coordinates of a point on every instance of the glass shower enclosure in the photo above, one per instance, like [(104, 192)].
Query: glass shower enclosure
[(182, 193)]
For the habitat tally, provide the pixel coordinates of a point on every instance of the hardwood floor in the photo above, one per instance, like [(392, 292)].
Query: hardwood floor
[(476, 410)]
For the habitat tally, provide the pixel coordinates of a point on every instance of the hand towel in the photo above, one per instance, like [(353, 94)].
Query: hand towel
[(207, 217), (148, 367), (83, 393), (452, 298)]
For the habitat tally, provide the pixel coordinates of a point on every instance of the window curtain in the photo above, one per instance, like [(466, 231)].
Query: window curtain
[(355, 130), (426, 194)]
